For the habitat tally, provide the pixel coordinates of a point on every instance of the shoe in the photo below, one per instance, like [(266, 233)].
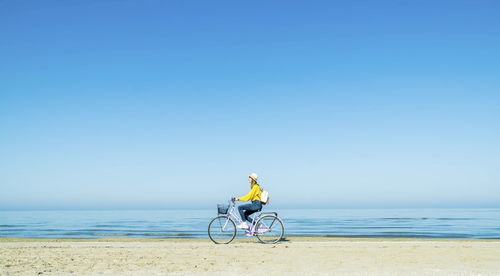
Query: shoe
[(243, 225)]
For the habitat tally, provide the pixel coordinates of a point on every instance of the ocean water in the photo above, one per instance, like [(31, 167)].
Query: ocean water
[(366, 223)]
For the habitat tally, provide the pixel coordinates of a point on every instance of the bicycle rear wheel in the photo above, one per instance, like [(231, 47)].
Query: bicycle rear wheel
[(222, 230), (269, 229)]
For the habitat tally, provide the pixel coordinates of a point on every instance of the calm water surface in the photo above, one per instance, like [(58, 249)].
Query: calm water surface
[(371, 223)]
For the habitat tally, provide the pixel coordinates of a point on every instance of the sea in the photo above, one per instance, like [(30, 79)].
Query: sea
[(480, 223)]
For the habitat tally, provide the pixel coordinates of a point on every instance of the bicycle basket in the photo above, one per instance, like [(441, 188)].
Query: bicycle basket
[(222, 208)]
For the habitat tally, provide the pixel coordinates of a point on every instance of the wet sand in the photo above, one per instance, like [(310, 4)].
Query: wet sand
[(294, 256)]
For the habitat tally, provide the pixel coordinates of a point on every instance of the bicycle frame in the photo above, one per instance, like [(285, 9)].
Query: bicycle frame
[(231, 214)]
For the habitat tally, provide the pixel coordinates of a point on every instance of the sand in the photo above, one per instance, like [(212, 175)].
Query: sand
[(295, 256)]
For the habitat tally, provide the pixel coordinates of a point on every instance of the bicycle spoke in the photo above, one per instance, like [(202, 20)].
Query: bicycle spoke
[(221, 230), (269, 229)]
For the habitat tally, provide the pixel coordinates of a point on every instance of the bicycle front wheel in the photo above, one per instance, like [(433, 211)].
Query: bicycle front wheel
[(222, 230), (269, 229)]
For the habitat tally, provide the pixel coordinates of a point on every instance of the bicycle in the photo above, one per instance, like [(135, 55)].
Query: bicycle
[(266, 226)]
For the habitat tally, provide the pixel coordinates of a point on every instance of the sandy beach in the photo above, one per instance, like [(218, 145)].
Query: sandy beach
[(294, 256)]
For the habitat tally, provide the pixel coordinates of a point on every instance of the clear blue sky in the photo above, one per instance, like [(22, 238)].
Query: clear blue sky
[(156, 104)]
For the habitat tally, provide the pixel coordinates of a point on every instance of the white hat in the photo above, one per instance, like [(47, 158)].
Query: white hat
[(253, 176)]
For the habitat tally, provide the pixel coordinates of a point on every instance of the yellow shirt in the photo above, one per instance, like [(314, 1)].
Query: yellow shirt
[(254, 194)]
